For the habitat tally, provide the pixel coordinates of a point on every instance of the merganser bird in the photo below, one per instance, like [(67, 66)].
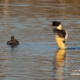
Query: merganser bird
[(60, 34), (13, 41)]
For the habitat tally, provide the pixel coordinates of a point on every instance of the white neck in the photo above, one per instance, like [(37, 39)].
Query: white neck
[(59, 27)]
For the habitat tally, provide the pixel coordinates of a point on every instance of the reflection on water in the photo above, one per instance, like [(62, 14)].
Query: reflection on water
[(28, 21), (59, 63)]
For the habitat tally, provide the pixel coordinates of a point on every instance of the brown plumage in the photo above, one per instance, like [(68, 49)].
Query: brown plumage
[(13, 41)]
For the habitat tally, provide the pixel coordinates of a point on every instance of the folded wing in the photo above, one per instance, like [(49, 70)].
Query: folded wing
[(61, 33)]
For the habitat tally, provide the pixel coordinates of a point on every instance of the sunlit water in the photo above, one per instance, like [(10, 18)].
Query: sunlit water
[(37, 57)]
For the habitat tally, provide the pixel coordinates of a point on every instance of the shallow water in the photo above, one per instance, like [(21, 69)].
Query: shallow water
[(38, 57)]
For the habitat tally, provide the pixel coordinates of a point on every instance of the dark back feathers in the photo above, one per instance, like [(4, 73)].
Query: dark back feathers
[(60, 33), (13, 42)]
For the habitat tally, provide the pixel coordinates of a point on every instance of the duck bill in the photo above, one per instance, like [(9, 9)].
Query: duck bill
[(50, 25)]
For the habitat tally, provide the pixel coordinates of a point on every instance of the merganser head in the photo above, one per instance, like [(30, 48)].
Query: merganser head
[(57, 24), (12, 37)]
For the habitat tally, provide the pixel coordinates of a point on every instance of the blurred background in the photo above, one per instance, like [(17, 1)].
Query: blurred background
[(38, 57)]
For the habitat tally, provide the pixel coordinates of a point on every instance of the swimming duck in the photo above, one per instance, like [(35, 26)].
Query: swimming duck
[(60, 34), (13, 41)]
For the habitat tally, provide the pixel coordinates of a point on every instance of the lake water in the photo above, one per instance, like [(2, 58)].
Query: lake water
[(38, 57)]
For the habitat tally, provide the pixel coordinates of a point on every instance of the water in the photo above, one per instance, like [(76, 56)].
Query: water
[(38, 57)]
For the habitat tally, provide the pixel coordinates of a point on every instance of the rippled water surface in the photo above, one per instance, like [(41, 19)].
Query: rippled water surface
[(38, 57)]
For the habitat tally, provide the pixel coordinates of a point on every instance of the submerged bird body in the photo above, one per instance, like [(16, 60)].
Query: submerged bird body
[(60, 35), (13, 41)]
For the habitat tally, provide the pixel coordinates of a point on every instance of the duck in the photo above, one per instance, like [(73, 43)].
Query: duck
[(13, 41), (61, 35)]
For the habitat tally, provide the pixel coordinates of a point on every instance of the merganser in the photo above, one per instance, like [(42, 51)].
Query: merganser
[(13, 41), (60, 34)]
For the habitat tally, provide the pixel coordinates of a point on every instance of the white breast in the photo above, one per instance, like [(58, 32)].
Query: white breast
[(59, 42)]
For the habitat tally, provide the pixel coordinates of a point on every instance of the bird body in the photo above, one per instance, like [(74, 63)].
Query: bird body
[(60, 35), (13, 41), (60, 42)]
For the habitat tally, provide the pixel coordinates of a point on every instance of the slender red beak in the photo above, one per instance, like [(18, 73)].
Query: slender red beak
[(50, 25)]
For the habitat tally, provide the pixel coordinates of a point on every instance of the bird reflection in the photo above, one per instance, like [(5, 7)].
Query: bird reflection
[(59, 63), (13, 46), (14, 49)]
